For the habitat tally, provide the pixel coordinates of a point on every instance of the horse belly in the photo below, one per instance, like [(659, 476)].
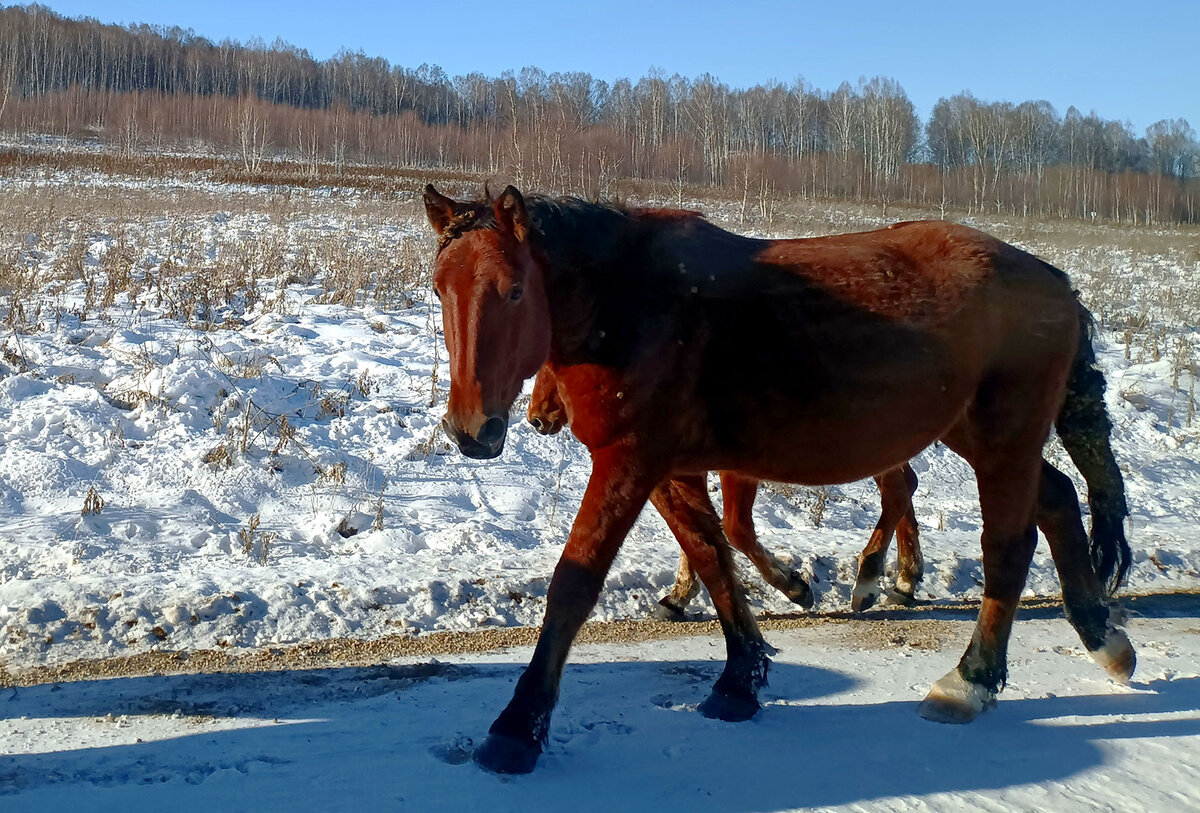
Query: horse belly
[(850, 412)]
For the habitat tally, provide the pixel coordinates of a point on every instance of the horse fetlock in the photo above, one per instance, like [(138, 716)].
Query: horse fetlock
[(954, 699), (746, 672), (527, 716), (1089, 617), (766, 651), (1117, 655), (906, 583)]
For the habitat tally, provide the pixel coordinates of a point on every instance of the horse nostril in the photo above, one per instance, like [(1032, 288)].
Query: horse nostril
[(538, 424), (492, 431)]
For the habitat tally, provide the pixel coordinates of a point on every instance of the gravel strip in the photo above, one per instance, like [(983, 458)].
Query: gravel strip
[(926, 627)]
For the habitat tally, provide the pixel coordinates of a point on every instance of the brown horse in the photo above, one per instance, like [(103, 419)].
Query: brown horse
[(548, 416), (681, 348)]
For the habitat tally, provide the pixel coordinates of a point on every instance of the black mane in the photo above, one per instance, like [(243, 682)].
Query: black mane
[(660, 250), (605, 244), (582, 236)]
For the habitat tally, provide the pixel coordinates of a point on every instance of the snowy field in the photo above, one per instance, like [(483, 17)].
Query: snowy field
[(237, 384), (218, 429)]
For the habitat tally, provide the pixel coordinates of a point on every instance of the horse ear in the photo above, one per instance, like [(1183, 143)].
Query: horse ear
[(438, 208), (510, 212)]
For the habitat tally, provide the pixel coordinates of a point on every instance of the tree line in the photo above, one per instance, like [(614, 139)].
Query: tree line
[(156, 88)]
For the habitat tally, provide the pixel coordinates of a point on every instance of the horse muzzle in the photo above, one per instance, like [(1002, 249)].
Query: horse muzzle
[(545, 426), (487, 443)]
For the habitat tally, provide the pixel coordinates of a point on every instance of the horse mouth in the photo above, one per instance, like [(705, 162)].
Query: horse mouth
[(479, 451), (490, 443)]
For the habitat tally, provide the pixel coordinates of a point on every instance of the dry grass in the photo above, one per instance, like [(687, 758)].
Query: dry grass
[(196, 239), (88, 244), (283, 173), (93, 503)]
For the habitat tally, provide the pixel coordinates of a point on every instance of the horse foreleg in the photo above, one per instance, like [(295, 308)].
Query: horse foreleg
[(615, 494), (684, 503), (896, 500), (1007, 500), (1084, 598), (910, 564), (738, 496)]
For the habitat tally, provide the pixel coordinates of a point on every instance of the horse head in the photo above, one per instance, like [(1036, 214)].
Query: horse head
[(495, 312)]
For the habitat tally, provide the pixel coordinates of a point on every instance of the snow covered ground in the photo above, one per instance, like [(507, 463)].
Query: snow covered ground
[(218, 428), (839, 731), (216, 379)]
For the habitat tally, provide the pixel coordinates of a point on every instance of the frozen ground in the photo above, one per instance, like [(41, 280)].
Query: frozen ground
[(839, 730)]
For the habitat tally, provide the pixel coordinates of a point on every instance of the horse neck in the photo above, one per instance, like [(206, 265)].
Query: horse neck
[(579, 250), (573, 304)]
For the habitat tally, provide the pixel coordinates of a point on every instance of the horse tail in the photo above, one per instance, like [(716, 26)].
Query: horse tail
[(1085, 430)]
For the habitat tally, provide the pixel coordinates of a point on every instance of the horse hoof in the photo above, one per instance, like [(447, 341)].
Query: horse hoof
[(666, 611), (1117, 656), (865, 593), (955, 700), (501, 754), (899, 598), (863, 601), (799, 592), (730, 708)]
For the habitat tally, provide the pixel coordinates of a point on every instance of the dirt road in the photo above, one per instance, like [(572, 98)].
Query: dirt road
[(921, 627)]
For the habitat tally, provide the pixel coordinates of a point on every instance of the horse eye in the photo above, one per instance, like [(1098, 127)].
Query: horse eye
[(515, 292)]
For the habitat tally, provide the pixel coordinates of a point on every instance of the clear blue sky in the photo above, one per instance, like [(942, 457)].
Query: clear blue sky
[(1135, 61)]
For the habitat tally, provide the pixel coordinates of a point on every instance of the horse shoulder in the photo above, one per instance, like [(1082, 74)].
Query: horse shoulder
[(598, 400)]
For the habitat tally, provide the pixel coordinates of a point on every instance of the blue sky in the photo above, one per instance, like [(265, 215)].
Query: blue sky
[(1130, 61)]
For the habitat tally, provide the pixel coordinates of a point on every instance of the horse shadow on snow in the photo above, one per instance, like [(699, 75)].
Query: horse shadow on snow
[(625, 733)]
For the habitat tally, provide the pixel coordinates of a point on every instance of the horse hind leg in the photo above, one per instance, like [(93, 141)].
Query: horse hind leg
[(684, 503), (1007, 551), (1001, 437), (1006, 496), (1084, 596), (895, 499), (738, 522), (671, 606)]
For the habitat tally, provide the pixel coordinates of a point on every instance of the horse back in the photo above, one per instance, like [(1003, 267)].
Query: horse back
[(920, 272), (855, 352)]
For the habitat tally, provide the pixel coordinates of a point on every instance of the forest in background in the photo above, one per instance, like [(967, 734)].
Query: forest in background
[(152, 90)]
